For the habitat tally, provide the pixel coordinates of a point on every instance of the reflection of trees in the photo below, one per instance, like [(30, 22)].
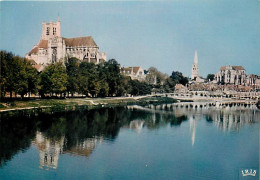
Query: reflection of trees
[(178, 120), (15, 135), (80, 132), (94, 123), (156, 116), (72, 132)]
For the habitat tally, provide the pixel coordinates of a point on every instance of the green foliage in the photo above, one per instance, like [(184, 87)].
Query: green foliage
[(111, 69), (53, 79), (16, 75), (72, 69), (178, 78), (210, 77), (155, 77), (88, 76), (20, 77), (139, 88), (169, 85)]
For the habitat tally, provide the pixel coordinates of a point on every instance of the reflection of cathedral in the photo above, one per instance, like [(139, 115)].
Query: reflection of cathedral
[(137, 125), (49, 151), (84, 148)]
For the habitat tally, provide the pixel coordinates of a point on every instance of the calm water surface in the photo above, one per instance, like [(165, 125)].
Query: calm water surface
[(174, 141)]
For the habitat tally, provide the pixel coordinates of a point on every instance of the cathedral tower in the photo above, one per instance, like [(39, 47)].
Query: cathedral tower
[(195, 68), (50, 30)]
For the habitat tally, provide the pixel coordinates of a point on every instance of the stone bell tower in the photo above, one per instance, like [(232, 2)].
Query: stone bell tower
[(195, 67), (50, 30)]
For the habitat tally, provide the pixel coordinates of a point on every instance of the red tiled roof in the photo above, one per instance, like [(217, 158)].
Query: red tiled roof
[(80, 41), (233, 67), (238, 68), (223, 68), (43, 44), (34, 50)]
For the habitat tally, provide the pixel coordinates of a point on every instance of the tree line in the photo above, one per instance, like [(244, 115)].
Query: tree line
[(19, 77)]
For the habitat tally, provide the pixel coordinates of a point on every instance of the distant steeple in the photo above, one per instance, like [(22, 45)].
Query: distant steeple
[(196, 58), (195, 67)]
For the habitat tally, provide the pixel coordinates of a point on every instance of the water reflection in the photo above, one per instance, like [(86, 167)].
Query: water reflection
[(49, 150), (230, 117), (137, 125), (85, 148), (80, 133), (193, 123)]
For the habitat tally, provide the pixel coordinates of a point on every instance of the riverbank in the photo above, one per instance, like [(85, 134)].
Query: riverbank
[(203, 99), (36, 106)]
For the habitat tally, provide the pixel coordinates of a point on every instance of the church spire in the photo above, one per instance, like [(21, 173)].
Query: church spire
[(195, 67), (196, 58)]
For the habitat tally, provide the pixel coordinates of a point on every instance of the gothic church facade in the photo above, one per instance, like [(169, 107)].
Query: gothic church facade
[(53, 48)]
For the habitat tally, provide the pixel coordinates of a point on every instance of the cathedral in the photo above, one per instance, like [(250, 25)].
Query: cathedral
[(53, 48)]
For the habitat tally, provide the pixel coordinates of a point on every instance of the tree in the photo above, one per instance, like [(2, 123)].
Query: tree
[(59, 78), (20, 74), (32, 78), (210, 77), (113, 77), (102, 76), (155, 77), (169, 85), (9, 71), (53, 79), (72, 69), (139, 88), (178, 78), (88, 79), (5, 58)]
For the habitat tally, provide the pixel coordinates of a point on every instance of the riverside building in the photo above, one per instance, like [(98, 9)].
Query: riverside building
[(134, 72)]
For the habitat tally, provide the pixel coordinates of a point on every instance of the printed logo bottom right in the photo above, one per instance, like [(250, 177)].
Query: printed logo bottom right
[(248, 173)]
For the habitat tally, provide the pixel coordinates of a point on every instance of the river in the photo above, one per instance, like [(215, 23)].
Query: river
[(168, 141)]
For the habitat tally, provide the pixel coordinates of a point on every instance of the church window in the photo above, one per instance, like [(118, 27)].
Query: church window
[(54, 55), (48, 31), (45, 158), (54, 31)]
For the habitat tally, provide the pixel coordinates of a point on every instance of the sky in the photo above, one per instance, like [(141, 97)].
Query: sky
[(163, 34)]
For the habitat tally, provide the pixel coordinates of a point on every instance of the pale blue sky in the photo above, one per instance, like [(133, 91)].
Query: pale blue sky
[(164, 34)]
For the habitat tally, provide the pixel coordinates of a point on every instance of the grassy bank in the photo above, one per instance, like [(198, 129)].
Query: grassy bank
[(73, 104)]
